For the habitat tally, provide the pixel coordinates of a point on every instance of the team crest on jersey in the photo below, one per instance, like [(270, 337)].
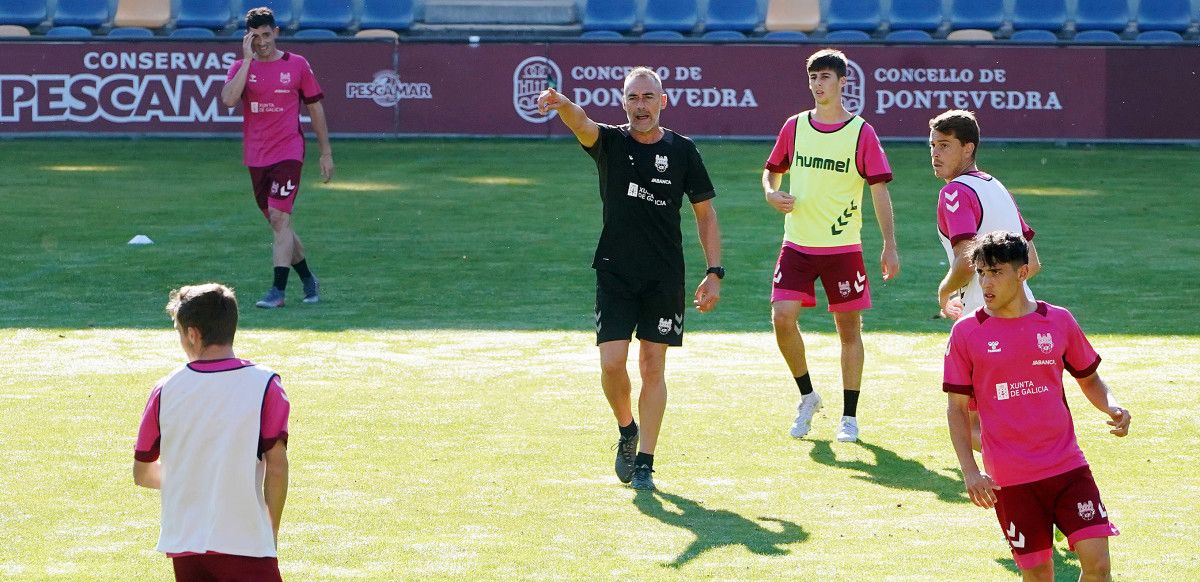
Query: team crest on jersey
[(664, 325), (844, 288), (660, 163), (1087, 510), (285, 78), (1045, 342)]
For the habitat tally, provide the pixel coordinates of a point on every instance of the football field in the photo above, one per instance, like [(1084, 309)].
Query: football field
[(447, 420)]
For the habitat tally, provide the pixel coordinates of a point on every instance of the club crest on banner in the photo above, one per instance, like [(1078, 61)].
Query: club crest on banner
[(532, 76), (854, 94)]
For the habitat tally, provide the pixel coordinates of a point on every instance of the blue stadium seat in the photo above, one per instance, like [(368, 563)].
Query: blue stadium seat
[(662, 35), (81, 13), (281, 8), (1033, 35), (618, 15), (848, 35), (331, 14), (131, 32), (1097, 36), (69, 32), (315, 33), (739, 15), (723, 35), (601, 34), (677, 15), (23, 12), (785, 36), (1159, 37), (853, 15), (908, 35), (915, 15), (1043, 14), (387, 14), (984, 14), (203, 14), (1102, 15), (192, 32), (1173, 15)]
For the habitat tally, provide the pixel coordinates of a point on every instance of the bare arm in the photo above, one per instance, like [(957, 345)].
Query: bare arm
[(585, 130), (275, 484), (1101, 397), (316, 112), (959, 274), (980, 486), (148, 475), (889, 259), (231, 93), (709, 291), (781, 201), (1035, 262)]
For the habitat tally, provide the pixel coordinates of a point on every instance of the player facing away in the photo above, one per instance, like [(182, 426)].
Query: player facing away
[(213, 439), (829, 153), (270, 84), (971, 203), (1009, 356), (645, 172)]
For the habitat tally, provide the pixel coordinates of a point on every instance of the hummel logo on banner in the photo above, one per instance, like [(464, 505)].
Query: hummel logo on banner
[(287, 190), (993, 347), (1017, 542)]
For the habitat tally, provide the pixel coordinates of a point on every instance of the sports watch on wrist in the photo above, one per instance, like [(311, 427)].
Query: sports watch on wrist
[(718, 271)]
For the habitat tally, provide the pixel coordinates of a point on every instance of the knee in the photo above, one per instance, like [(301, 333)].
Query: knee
[(1039, 573), (1096, 567), (783, 321), (612, 367)]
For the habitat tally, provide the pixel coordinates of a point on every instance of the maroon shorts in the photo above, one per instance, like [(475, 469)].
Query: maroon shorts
[(843, 275), (1029, 512), (226, 568), (276, 186)]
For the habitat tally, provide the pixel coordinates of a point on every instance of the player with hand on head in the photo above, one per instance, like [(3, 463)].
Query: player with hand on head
[(270, 84), (645, 173), (1009, 356), (829, 153)]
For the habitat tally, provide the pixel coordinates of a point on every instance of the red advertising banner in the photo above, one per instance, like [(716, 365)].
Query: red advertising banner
[(731, 90)]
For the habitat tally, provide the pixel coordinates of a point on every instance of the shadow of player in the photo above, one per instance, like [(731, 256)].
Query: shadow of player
[(892, 470), (714, 528), (1066, 564)]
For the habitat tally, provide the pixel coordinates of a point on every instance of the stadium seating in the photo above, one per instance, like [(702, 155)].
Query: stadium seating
[(601, 35), (739, 15), (386, 14), (192, 32), (23, 12), (314, 33), (1173, 15), (1102, 15), (915, 15), (677, 15), (1039, 14), (1097, 36), (971, 34), (87, 13), (1033, 35), (785, 36), (1159, 37), (796, 15), (282, 9), (662, 35), (12, 30), (983, 14), (131, 32), (618, 15), (848, 35), (69, 31), (203, 14), (377, 33), (144, 13), (908, 35), (723, 35), (330, 14), (853, 15)]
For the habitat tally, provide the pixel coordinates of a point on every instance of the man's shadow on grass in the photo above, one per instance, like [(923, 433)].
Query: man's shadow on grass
[(1066, 564), (892, 470), (714, 528)]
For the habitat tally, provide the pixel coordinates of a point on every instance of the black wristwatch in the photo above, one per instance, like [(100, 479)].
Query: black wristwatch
[(718, 271)]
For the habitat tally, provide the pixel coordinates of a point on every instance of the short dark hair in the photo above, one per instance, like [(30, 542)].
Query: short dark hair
[(828, 59), (210, 308), (256, 17), (959, 123), (998, 247)]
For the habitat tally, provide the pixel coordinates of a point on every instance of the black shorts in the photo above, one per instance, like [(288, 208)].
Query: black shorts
[(625, 303)]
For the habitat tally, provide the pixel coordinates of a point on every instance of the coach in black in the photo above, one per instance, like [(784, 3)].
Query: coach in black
[(645, 171)]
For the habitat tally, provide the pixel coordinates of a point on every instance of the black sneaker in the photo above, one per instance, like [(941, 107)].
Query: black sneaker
[(626, 452), (642, 479)]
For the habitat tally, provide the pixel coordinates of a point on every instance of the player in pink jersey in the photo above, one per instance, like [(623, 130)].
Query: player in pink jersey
[(1009, 356), (220, 514), (270, 84), (829, 153)]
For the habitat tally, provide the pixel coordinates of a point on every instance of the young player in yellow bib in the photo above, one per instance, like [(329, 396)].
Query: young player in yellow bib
[(830, 153)]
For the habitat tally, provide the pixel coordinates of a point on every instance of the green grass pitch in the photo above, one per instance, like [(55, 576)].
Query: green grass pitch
[(447, 420)]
